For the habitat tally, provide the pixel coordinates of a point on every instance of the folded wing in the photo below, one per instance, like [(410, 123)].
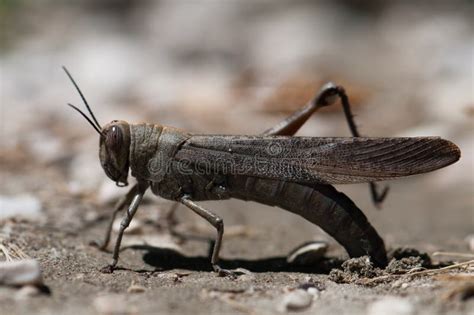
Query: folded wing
[(317, 159)]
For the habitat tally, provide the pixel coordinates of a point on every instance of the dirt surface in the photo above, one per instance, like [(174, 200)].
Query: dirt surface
[(161, 273), (161, 279), (218, 68)]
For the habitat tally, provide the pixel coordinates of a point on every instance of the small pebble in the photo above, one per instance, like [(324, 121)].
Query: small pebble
[(20, 272), (54, 253), (470, 241), (21, 206), (112, 304), (313, 291), (26, 292), (391, 306), (296, 300), (307, 254), (135, 288), (79, 277), (91, 216)]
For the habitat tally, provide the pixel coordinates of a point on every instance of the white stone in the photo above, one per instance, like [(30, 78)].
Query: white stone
[(470, 241), (296, 300), (21, 206), (26, 292), (313, 291), (391, 305), (20, 272), (308, 253)]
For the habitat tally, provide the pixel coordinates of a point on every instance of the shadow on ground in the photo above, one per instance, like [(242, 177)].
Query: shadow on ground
[(167, 259)]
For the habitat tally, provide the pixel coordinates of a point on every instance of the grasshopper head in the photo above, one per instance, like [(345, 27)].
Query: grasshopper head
[(114, 142), (114, 151)]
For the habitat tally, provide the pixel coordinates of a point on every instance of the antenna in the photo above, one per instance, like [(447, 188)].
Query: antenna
[(97, 125)]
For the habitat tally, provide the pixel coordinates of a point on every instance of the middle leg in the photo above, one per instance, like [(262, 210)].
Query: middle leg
[(216, 222)]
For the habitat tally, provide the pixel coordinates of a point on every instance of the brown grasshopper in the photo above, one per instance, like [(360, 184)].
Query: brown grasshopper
[(274, 168)]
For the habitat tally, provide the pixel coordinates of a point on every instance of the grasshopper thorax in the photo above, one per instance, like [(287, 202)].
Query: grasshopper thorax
[(114, 151)]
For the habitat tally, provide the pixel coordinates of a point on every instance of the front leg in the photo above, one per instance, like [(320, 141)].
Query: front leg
[(216, 222), (132, 209), (124, 202)]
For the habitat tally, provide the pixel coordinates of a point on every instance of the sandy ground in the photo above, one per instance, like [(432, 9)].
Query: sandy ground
[(160, 274), (234, 69)]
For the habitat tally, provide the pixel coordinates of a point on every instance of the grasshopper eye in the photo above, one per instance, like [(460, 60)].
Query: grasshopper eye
[(114, 137)]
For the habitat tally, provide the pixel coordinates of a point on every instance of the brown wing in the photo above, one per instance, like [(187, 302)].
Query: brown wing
[(317, 159)]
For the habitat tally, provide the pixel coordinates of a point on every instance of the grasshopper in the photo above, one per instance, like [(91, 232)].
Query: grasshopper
[(274, 168)]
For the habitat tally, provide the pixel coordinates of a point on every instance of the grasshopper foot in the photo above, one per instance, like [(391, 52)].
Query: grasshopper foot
[(221, 272), (108, 269)]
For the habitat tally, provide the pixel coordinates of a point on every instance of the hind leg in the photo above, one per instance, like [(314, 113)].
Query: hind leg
[(326, 96)]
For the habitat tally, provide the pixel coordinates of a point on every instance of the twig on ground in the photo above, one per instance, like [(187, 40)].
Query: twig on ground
[(12, 251), (418, 273), (5, 252), (453, 254)]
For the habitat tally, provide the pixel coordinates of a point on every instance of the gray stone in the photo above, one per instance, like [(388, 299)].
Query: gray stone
[(20, 206), (20, 272)]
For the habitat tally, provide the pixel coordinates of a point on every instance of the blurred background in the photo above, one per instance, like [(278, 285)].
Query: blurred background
[(235, 67)]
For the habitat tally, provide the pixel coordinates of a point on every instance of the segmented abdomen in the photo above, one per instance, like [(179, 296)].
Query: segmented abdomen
[(322, 205)]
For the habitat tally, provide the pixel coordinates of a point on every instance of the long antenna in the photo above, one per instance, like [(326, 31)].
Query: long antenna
[(83, 99), (87, 118)]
